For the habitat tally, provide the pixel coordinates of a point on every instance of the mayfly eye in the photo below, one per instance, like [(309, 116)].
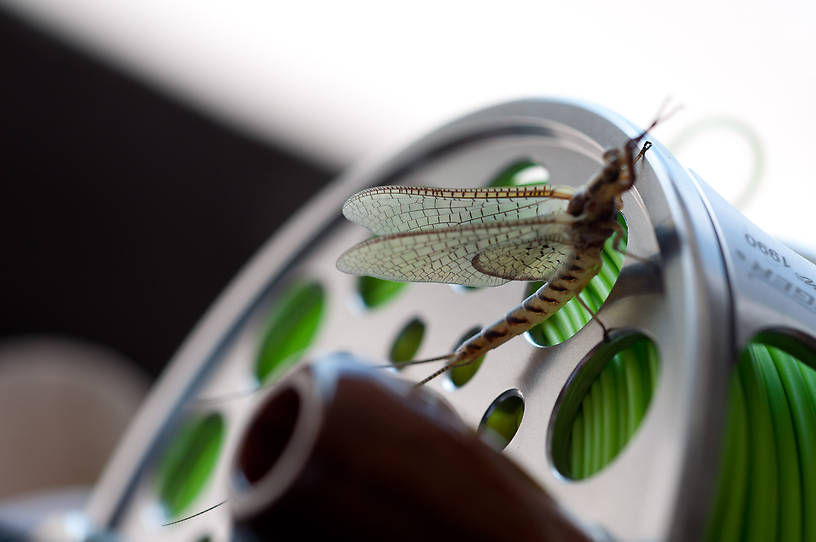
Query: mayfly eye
[(612, 156)]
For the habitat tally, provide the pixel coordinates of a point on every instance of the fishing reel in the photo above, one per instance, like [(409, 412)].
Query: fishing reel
[(697, 285)]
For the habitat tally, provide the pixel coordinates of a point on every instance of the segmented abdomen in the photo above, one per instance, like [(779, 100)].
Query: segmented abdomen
[(568, 282)]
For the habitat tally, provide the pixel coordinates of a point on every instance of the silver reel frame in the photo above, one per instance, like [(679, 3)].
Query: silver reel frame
[(697, 298)]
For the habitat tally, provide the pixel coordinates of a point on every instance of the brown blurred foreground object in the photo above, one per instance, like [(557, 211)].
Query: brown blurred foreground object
[(339, 451)]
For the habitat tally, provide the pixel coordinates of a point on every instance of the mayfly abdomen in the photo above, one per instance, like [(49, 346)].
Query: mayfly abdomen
[(571, 278)]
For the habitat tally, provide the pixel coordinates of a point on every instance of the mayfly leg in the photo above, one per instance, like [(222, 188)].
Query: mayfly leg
[(401, 364), (594, 317)]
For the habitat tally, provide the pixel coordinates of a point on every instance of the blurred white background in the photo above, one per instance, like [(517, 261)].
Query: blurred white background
[(335, 81)]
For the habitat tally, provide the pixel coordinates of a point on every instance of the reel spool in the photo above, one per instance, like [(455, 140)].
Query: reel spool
[(704, 284)]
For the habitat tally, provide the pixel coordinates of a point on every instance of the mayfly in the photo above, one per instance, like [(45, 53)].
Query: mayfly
[(489, 236)]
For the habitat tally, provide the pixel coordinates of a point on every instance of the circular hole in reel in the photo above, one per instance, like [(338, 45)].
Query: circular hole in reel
[(520, 173), (459, 376), (502, 419), (268, 435), (767, 479), (376, 292), (603, 404), (407, 342), (291, 327), (188, 462)]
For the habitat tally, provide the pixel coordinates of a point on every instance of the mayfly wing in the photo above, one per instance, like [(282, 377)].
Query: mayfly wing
[(487, 254), (400, 209)]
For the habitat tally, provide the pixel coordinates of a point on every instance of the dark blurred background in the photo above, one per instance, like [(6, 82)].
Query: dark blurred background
[(123, 213)]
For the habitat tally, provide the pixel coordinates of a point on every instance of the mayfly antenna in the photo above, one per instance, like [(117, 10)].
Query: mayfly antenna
[(659, 118)]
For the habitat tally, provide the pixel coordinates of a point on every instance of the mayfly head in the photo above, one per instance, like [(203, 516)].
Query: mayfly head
[(600, 200)]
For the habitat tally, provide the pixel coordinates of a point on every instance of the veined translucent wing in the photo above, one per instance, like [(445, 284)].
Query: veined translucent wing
[(399, 209), (486, 254)]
